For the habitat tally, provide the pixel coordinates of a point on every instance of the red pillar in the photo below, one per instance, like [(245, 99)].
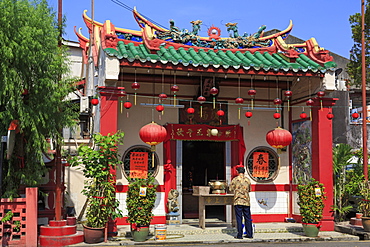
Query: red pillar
[(31, 216), (322, 154), (109, 109)]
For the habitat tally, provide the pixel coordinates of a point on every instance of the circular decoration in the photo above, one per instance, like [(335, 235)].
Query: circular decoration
[(288, 93), (135, 85), (152, 169), (95, 101), (190, 110), (303, 115), (277, 115), (252, 92), (201, 99), (320, 94), (239, 100), (355, 115), (159, 108), (153, 134), (279, 138), (175, 88), (309, 102), (127, 105), (277, 101), (220, 113), (255, 161), (214, 91), (163, 96), (248, 114), (214, 132), (330, 116)]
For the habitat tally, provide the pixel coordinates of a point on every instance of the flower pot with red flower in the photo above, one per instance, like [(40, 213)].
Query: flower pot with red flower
[(96, 163), (311, 197), (140, 201)]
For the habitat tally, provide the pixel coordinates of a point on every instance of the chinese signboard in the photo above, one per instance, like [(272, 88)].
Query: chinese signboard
[(139, 165), (260, 164)]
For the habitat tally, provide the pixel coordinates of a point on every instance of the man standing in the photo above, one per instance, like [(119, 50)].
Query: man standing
[(241, 186)]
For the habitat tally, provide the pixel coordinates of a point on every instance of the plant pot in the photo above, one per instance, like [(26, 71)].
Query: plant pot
[(366, 223), (140, 234), (358, 215), (93, 235), (310, 230)]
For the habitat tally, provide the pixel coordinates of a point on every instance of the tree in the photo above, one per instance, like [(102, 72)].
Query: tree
[(31, 88), (354, 66)]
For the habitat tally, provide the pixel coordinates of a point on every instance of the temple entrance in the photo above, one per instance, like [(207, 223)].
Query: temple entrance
[(202, 161)]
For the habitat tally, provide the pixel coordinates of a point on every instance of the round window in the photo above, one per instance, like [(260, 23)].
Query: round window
[(141, 157), (262, 164)]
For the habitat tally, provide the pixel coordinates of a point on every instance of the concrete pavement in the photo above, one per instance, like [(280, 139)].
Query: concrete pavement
[(219, 232)]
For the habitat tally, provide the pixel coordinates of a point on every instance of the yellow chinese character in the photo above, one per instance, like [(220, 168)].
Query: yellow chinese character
[(189, 132), (228, 133), (180, 132), (199, 132)]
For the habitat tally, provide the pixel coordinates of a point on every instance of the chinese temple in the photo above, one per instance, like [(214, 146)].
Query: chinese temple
[(224, 100)]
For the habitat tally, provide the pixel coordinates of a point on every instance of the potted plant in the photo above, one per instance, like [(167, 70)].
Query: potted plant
[(140, 201), (311, 197), (97, 163), (364, 205)]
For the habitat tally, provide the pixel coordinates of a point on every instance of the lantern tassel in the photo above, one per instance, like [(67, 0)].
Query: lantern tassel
[(174, 100), (135, 99), (321, 104), (310, 115), (252, 103), (214, 102), (288, 105), (121, 105), (153, 159), (201, 111), (127, 114), (239, 113)]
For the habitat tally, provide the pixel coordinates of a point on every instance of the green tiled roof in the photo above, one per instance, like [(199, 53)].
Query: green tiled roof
[(217, 58)]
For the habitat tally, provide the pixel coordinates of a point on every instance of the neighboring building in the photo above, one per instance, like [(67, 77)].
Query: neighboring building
[(183, 66)]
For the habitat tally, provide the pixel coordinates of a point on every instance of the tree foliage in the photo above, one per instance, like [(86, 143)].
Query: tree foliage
[(31, 88), (354, 66)]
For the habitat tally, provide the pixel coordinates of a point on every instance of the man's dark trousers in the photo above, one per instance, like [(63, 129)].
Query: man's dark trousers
[(245, 211)]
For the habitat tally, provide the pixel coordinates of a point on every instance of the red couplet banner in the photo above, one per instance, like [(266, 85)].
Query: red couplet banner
[(260, 165), (139, 165)]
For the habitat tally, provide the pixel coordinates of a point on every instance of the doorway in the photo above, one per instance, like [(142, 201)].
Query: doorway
[(202, 161)]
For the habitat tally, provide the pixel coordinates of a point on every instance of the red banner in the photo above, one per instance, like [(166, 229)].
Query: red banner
[(139, 165), (260, 165)]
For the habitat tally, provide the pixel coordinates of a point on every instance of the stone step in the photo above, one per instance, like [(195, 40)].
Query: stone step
[(57, 230), (53, 241)]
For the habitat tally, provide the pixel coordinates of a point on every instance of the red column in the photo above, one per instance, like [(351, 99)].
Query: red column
[(31, 216), (322, 154)]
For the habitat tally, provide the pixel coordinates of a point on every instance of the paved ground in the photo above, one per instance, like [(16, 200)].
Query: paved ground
[(216, 233)]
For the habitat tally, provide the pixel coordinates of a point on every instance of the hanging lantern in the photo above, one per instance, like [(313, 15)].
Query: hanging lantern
[(303, 115), (201, 100), (95, 101), (174, 89), (135, 86), (127, 105), (248, 114), (288, 94), (153, 134), (278, 138), (355, 115), (277, 115), (277, 101), (163, 96), (220, 113), (214, 92), (330, 116), (239, 101), (320, 94), (159, 108), (310, 102), (190, 110), (252, 93)]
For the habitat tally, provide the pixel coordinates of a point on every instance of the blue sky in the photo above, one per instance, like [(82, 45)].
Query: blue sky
[(325, 20)]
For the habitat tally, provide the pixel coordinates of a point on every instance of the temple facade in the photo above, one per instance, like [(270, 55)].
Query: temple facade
[(225, 100)]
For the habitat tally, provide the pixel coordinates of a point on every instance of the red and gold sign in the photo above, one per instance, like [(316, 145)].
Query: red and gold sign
[(138, 164), (203, 132), (260, 165)]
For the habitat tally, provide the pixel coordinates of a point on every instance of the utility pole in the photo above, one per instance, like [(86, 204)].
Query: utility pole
[(364, 105)]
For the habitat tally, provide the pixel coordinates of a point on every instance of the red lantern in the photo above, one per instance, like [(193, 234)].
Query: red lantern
[(239, 100), (127, 105), (355, 115), (163, 96), (201, 99), (303, 115), (135, 85), (248, 114), (153, 134), (94, 101), (278, 138), (214, 91), (277, 101), (190, 110), (220, 113), (276, 115), (175, 88), (159, 108), (309, 102), (288, 93), (252, 92), (320, 94), (330, 116)]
